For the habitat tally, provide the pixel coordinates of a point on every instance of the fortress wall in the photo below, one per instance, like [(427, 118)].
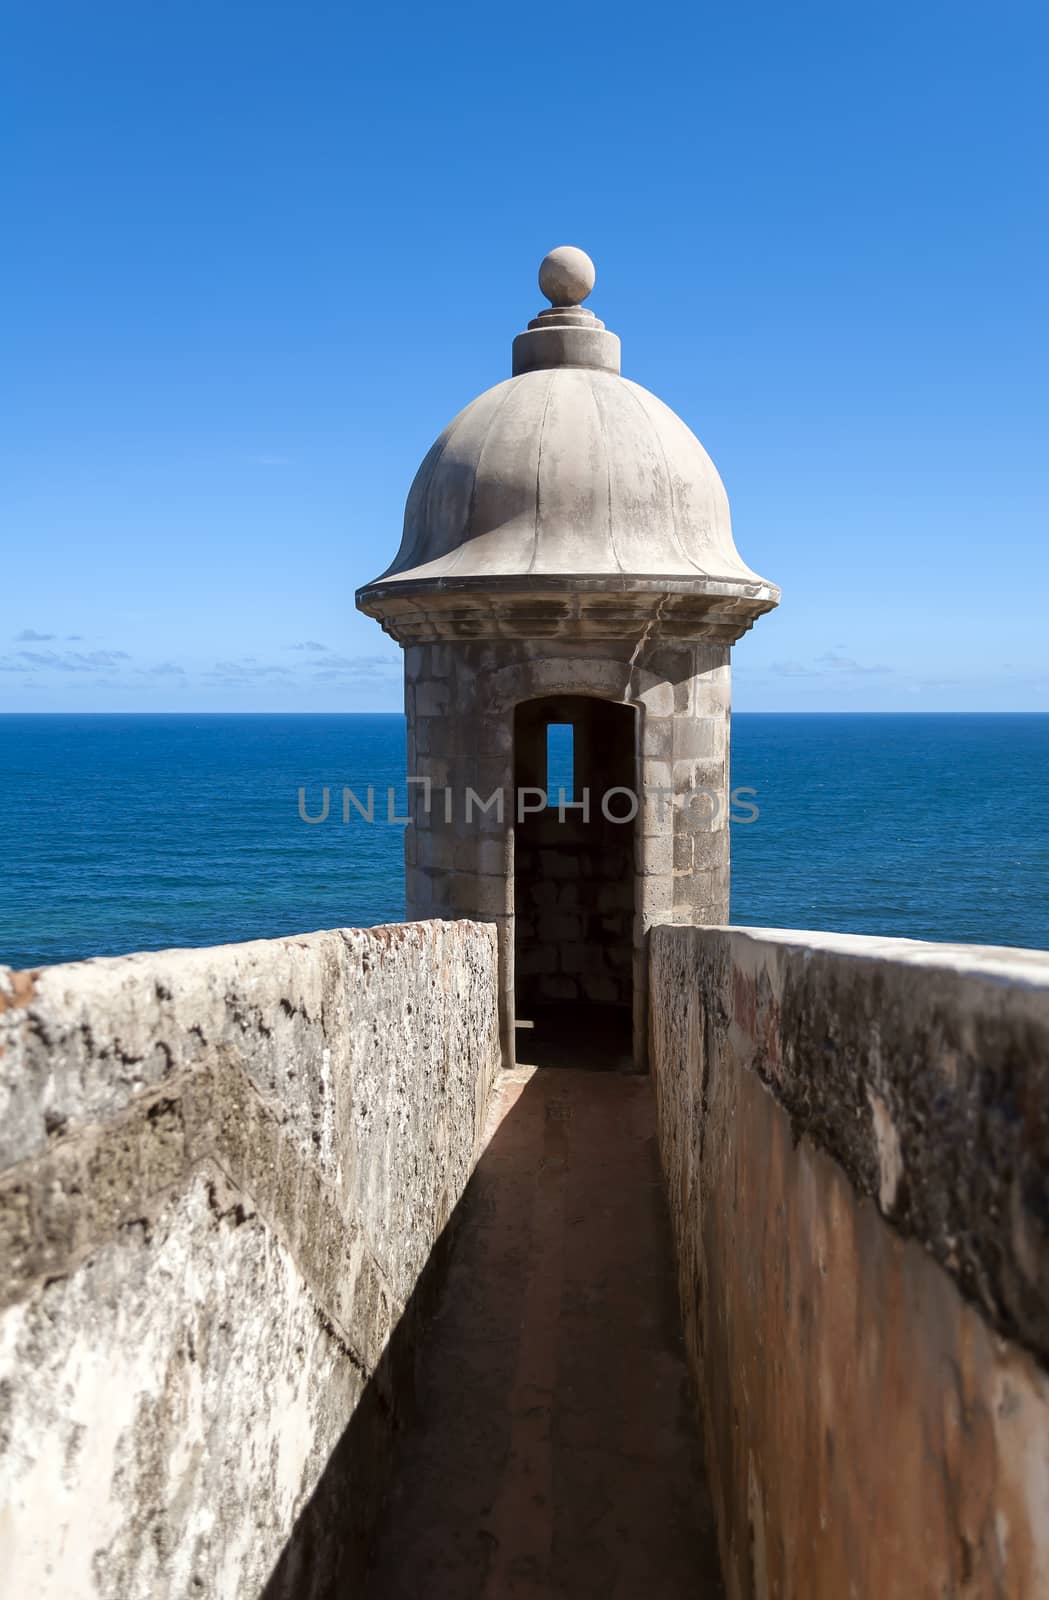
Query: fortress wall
[(222, 1175), (855, 1134)]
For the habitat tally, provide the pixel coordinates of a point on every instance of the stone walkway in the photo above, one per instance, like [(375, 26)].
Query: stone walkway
[(555, 1451)]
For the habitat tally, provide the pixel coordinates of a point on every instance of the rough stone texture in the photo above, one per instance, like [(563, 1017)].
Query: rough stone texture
[(464, 867), (834, 1112), (225, 1172)]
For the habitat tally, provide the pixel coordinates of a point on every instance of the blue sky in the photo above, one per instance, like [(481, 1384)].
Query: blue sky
[(257, 256)]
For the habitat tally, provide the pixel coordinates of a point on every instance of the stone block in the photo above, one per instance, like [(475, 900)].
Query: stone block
[(684, 697), (658, 700), (474, 895), (658, 738), (655, 854), (699, 738), (656, 775), (432, 698), (439, 737), (492, 735), (703, 890), (436, 848), (495, 771), (441, 772), (415, 656), (418, 892), (493, 855), (693, 773), (442, 661), (657, 895), (669, 662), (656, 811), (709, 848)]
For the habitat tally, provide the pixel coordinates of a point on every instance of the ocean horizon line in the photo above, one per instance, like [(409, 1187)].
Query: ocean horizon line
[(286, 711)]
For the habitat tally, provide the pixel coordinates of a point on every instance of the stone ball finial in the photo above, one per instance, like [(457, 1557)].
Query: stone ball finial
[(566, 275)]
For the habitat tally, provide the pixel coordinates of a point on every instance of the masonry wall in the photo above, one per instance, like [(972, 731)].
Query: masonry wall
[(226, 1174), (460, 700), (856, 1141), (574, 867)]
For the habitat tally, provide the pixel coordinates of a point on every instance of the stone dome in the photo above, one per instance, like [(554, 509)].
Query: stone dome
[(568, 473), (568, 470)]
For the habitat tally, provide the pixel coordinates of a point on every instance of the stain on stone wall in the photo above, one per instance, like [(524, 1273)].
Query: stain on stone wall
[(835, 1113), (225, 1173)]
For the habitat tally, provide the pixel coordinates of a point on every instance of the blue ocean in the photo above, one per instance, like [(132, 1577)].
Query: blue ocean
[(138, 832)]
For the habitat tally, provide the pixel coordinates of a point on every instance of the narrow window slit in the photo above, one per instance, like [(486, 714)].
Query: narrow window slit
[(560, 762)]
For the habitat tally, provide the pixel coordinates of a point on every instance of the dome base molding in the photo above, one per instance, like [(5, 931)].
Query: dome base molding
[(628, 608)]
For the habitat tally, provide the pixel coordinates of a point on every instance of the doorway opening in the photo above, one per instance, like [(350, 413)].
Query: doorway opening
[(575, 778)]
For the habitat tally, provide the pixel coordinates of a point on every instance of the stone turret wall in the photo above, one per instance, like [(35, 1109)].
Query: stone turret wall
[(460, 700), (574, 912), (224, 1175), (856, 1143)]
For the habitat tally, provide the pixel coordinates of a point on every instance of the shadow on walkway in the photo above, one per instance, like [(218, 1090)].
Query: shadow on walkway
[(594, 1038), (552, 1448)]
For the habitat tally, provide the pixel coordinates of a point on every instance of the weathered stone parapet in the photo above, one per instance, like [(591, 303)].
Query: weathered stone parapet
[(924, 1070), (225, 1172), (856, 1143)]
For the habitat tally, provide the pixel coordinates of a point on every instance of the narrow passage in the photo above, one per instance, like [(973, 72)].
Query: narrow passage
[(555, 1450)]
